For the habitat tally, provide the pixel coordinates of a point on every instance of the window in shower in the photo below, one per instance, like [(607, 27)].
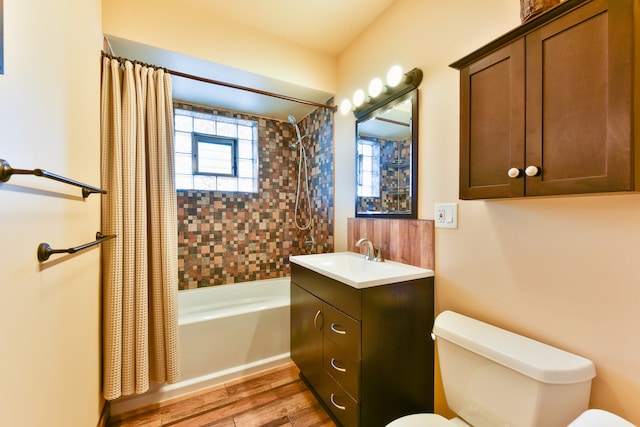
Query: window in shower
[(215, 153)]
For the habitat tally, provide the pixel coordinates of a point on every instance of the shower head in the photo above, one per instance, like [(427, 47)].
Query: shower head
[(293, 146), (293, 121)]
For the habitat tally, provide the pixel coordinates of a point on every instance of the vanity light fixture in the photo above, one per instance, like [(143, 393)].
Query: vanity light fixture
[(346, 106), (375, 87), (394, 76), (397, 85), (358, 98)]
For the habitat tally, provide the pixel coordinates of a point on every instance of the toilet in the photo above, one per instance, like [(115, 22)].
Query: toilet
[(599, 418), (493, 377)]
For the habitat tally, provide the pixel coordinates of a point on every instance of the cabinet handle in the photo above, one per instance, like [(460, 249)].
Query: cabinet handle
[(342, 408), (514, 173), (337, 331), (334, 366), (315, 321), (532, 171)]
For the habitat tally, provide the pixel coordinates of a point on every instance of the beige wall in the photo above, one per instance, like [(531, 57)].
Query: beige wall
[(49, 118), (191, 28), (561, 270)]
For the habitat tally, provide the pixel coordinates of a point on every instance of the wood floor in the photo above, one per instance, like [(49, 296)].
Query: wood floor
[(276, 397)]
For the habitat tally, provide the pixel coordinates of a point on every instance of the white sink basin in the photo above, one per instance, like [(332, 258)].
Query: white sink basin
[(351, 268)]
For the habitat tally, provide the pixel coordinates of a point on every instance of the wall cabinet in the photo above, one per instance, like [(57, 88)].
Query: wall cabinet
[(549, 108), (367, 354)]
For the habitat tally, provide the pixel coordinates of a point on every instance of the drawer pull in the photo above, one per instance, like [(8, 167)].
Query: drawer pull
[(337, 331), (315, 321), (334, 366), (342, 408)]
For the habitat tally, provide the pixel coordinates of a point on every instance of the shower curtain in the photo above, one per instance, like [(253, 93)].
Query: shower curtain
[(139, 267)]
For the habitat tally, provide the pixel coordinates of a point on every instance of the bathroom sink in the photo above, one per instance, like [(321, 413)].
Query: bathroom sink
[(352, 269)]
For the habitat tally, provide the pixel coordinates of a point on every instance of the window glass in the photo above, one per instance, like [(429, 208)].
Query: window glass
[(183, 142), (204, 126), (245, 132), (245, 168), (184, 163), (368, 168), (245, 149), (215, 153), (184, 123), (227, 129)]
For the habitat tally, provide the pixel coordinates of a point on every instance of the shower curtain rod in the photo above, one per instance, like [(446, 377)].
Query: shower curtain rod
[(226, 84)]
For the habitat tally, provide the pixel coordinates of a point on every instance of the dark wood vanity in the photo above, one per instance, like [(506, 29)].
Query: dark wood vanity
[(366, 353)]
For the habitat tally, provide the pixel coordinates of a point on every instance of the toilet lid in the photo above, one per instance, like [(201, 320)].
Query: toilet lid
[(420, 420), (597, 418)]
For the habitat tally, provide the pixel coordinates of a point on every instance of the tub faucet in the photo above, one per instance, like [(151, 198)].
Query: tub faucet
[(373, 253)]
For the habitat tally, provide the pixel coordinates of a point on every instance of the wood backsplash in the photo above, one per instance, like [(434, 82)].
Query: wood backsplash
[(403, 240)]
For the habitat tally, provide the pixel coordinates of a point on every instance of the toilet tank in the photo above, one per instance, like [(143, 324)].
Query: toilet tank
[(493, 377)]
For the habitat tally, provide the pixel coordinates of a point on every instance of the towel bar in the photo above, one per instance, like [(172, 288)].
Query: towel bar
[(6, 171), (45, 251)]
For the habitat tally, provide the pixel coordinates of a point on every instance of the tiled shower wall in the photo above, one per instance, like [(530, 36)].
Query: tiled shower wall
[(237, 237)]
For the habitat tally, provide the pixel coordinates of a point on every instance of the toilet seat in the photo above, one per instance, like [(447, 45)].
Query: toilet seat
[(427, 420)]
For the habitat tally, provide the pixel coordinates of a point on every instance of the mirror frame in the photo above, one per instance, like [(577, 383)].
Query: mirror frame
[(409, 93)]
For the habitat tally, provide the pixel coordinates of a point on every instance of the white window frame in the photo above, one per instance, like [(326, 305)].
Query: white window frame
[(231, 143), (190, 126)]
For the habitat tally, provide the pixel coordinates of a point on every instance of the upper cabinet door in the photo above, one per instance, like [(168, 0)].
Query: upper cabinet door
[(492, 123), (578, 104), (548, 108)]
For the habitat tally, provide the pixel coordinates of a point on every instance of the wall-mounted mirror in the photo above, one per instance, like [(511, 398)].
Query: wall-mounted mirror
[(387, 159)]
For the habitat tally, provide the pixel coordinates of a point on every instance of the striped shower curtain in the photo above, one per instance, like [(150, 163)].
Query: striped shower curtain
[(139, 267)]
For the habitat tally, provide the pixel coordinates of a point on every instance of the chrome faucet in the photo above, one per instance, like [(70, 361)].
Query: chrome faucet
[(373, 253)]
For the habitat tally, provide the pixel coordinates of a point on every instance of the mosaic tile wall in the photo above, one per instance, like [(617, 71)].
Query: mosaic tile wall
[(237, 237)]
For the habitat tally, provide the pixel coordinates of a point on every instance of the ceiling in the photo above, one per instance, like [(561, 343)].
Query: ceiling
[(326, 26)]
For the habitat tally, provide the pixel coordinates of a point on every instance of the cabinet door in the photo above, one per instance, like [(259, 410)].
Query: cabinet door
[(492, 124), (306, 333), (579, 102)]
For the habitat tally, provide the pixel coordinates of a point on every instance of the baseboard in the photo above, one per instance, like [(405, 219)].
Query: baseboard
[(104, 415)]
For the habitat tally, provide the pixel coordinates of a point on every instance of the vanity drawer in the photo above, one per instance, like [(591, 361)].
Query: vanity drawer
[(343, 368), (344, 297), (342, 330), (341, 405)]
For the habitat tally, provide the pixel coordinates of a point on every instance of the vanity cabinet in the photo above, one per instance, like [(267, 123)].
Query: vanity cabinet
[(548, 108), (367, 354)]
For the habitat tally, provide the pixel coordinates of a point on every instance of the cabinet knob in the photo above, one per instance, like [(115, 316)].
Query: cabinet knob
[(514, 173), (532, 171)]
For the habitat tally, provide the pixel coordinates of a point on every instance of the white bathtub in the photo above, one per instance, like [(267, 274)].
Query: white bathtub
[(225, 332)]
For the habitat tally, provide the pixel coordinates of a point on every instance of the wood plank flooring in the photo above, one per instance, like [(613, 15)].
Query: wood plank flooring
[(272, 398)]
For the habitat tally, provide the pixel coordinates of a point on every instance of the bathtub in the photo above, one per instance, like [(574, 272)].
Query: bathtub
[(225, 332)]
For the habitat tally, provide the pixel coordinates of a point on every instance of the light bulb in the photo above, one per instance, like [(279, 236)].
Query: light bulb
[(358, 97), (394, 76), (375, 87), (345, 107)]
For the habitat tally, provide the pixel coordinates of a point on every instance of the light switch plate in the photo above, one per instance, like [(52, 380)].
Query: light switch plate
[(446, 215)]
